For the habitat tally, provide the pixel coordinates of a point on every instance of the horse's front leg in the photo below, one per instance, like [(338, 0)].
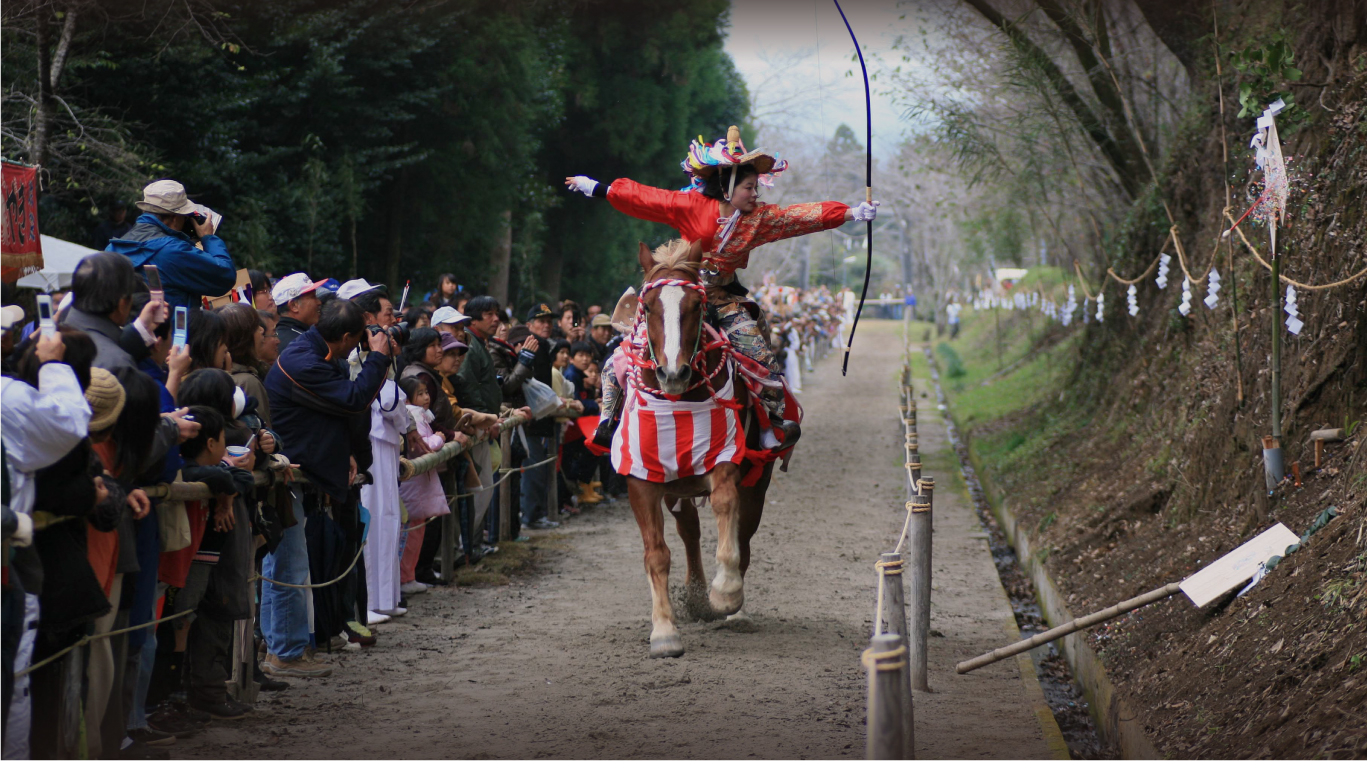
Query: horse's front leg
[(727, 593), (695, 581), (645, 497)]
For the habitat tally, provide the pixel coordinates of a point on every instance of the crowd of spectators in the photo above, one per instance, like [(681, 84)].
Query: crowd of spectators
[(296, 405)]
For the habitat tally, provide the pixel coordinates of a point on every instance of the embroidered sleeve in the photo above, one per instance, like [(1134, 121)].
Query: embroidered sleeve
[(778, 223)]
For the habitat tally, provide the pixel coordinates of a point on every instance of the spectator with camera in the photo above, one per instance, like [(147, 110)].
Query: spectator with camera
[(296, 301), (388, 424), (161, 237), (312, 403)]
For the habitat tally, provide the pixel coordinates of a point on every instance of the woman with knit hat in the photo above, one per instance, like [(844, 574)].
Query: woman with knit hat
[(721, 207)]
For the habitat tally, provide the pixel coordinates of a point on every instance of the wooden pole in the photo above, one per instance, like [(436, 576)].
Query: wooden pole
[(918, 544), (885, 661), (505, 491), (895, 612), (1119, 609), (1276, 340), (553, 489)]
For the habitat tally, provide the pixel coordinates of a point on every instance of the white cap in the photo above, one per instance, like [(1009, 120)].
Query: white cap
[(10, 315), (291, 287), (353, 288), (448, 315)]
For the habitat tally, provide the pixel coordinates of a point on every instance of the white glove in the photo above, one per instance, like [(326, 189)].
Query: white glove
[(23, 532), (865, 212), (581, 184)]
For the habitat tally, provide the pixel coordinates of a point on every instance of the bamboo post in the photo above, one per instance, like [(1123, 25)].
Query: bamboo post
[(450, 527), (885, 661), (895, 613), (918, 543), (1119, 609), (1276, 340), (505, 492), (553, 488)]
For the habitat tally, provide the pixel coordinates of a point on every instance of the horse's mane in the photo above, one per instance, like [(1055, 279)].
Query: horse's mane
[(672, 257)]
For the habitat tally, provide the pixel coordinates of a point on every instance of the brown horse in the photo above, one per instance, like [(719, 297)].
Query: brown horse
[(682, 363)]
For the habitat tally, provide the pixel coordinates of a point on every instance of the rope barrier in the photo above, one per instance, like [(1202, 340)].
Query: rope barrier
[(1289, 281), (86, 640), (359, 551), (888, 661)]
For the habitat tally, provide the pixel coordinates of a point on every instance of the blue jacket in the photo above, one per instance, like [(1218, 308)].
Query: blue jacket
[(313, 402), (186, 272), (576, 379)]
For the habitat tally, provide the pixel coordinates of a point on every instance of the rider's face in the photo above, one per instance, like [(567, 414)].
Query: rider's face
[(746, 195)]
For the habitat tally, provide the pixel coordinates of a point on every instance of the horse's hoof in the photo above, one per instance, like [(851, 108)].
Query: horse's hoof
[(739, 622), (668, 646), (726, 604)]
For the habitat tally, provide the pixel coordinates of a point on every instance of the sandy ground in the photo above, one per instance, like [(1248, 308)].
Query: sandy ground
[(555, 663)]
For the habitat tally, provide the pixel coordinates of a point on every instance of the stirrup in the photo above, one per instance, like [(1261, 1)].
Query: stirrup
[(602, 436), (792, 431)]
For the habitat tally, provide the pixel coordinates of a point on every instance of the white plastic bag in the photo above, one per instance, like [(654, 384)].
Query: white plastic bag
[(541, 398)]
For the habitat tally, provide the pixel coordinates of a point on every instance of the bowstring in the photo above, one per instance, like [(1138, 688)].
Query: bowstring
[(821, 109)]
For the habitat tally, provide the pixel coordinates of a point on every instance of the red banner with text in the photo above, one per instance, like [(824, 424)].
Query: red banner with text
[(21, 250)]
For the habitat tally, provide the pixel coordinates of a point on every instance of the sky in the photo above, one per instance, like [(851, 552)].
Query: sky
[(798, 61)]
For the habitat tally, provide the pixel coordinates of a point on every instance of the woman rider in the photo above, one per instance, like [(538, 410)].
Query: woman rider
[(721, 207)]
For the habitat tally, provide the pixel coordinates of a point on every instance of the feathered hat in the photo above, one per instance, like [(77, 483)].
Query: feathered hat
[(704, 160)]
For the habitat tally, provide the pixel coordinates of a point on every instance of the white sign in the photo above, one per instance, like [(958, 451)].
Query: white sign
[(1221, 577)]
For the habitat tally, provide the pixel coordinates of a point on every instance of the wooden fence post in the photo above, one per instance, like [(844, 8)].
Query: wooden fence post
[(885, 661), (505, 489), (918, 543), (553, 488), (895, 612)]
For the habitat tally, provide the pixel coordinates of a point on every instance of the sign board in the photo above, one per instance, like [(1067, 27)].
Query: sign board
[(244, 280), (1221, 577), (21, 249)]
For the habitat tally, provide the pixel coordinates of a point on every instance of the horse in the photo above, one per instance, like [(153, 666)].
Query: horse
[(683, 363)]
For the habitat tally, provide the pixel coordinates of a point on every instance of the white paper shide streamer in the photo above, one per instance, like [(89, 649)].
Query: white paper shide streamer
[(1163, 261), (1101, 307), (1133, 295), (1185, 307), (1293, 320), (1212, 289)]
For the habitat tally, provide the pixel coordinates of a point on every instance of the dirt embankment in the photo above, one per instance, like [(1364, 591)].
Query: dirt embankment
[(1149, 467)]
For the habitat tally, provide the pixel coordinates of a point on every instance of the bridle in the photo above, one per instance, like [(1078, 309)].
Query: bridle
[(697, 360)]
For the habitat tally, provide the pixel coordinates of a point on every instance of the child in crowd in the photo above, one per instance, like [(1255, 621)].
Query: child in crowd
[(422, 495)]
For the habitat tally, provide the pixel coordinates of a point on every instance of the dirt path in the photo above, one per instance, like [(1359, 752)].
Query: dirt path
[(555, 664)]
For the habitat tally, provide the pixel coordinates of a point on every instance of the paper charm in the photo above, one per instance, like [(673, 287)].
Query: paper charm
[(1185, 307), (1163, 261), (1101, 307), (1212, 289), (1134, 301), (1293, 320), (1069, 307), (1086, 313)]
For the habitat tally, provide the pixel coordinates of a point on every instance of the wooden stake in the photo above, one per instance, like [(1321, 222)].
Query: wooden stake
[(895, 611), (918, 544), (886, 663)]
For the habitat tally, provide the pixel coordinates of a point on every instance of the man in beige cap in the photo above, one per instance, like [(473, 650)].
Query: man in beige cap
[(162, 237)]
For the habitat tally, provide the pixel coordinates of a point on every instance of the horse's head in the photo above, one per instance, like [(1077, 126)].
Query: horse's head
[(672, 300)]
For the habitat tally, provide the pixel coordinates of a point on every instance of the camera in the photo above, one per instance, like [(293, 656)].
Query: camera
[(398, 332)]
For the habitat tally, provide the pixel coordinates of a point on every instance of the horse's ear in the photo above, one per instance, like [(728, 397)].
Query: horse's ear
[(695, 251), (644, 256)]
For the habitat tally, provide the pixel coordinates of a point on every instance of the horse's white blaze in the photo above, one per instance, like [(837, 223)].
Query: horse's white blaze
[(671, 298)]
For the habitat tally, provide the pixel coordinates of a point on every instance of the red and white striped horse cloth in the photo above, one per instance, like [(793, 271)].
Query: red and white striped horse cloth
[(660, 440)]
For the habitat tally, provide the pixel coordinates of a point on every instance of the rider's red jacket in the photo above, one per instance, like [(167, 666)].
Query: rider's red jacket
[(695, 216)]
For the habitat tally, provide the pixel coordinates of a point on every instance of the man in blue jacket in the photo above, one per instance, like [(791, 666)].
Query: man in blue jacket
[(159, 238), (313, 401)]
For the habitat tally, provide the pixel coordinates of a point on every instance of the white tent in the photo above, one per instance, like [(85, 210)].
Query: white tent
[(60, 258)]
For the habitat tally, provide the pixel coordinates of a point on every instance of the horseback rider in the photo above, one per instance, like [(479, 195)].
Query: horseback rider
[(721, 207)]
